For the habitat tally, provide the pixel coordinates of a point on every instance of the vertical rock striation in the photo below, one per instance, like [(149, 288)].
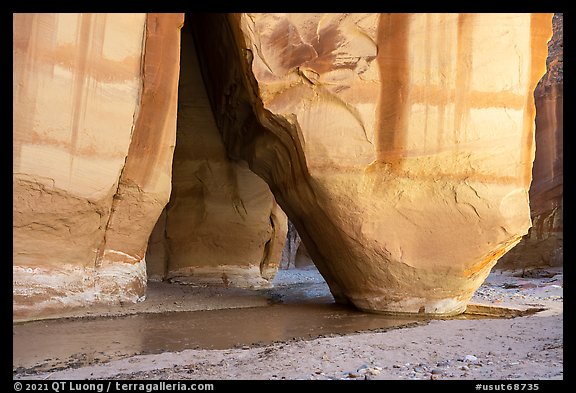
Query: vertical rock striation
[(94, 127), (400, 146), (291, 248), (543, 245)]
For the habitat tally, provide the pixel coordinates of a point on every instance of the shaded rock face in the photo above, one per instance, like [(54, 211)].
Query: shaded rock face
[(294, 254), (543, 245), (291, 248), (400, 146), (94, 129), (222, 225)]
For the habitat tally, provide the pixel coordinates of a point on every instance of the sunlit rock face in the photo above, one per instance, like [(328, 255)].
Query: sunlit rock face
[(222, 225), (399, 145), (543, 245), (94, 128)]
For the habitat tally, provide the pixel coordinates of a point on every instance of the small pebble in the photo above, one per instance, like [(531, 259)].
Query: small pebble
[(436, 371)]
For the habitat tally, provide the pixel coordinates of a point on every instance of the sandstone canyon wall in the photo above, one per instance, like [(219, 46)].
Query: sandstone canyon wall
[(400, 146), (94, 127), (291, 248), (543, 245), (222, 225)]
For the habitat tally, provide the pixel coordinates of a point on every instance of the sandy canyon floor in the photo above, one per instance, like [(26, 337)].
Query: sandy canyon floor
[(293, 331)]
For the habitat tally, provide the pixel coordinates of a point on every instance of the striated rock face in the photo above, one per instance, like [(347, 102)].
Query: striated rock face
[(94, 128), (543, 245), (400, 146), (222, 225), (291, 248)]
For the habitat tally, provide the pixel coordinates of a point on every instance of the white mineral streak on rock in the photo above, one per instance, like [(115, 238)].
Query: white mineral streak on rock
[(67, 287), (94, 130)]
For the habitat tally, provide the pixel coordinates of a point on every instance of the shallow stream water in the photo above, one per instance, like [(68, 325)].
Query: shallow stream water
[(297, 310), (84, 340)]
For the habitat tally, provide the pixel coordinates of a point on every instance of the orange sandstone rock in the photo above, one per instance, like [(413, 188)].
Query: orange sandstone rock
[(543, 245), (94, 129), (399, 145), (222, 225)]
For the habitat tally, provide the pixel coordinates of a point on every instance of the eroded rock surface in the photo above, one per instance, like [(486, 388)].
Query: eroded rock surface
[(222, 225), (291, 248), (543, 245), (400, 146), (94, 129)]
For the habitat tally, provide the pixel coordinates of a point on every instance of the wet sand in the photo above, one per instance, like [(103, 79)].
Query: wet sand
[(295, 332), (55, 344)]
